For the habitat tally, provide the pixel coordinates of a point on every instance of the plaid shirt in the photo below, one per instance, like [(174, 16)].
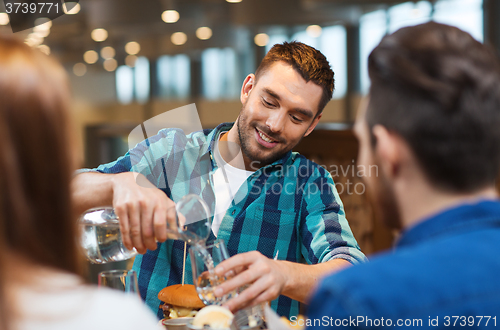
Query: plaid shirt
[(290, 208)]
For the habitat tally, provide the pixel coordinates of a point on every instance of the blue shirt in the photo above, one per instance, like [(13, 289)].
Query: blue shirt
[(290, 208), (445, 272)]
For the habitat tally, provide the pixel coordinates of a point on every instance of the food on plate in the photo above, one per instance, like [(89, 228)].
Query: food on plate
[(215, 317), (179, 301)]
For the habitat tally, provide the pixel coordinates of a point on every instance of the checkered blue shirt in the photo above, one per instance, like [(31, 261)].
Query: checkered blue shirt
[(290, 208)]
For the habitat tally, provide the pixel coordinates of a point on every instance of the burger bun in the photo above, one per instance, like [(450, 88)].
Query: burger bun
[(216, 317)]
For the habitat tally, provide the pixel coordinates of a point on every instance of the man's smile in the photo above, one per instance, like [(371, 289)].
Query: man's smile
[(264, 139)]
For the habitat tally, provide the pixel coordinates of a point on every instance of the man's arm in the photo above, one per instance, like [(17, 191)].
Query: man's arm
[(91, 189), (141, 207), (270, 278)]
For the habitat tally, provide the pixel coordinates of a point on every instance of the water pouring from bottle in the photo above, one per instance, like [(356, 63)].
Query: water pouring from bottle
[(101, 238)]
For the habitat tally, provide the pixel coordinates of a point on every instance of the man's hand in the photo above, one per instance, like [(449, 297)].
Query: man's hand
[(266, 278), (143, 211)]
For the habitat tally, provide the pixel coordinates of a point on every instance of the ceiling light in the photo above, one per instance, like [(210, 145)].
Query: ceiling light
[(314, 31), (204, 33), (90, 56), (132, 48), (74, 8), (110, 64), (44, 49), (79, 69), (99, 35), (170, 16), (233, 1), (108, 52), (178, 38), (130, 60), (4, 19), (261, 39)]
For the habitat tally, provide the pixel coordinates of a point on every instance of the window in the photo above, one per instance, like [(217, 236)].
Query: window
[(125, 84), (332, 43), (409, 13), (174, 76), (373, 26), (219, 74), (275, 38), (464, 14), (142, 79)]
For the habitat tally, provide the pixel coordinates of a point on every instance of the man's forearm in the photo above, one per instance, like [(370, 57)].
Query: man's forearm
[(91, 190), (303, 279)]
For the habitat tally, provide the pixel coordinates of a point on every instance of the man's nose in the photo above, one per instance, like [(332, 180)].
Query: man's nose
[(276, 121)]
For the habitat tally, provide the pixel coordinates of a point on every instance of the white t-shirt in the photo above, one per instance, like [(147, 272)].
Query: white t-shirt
[(63, 303), (227, 180)]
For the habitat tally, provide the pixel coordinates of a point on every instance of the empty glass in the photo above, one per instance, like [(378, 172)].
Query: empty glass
[(122, 280), (101, 237)]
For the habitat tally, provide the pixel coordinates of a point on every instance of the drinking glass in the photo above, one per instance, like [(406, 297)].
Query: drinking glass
[(204, 259), (101, 238), (122, 280)]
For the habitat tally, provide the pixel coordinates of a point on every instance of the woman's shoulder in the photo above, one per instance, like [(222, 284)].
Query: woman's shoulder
[(64, 302)]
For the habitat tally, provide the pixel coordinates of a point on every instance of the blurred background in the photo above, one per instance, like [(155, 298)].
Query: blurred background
[(129, 60)]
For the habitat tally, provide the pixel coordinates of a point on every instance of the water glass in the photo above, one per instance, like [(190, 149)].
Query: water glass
[(122, 280), (203, 262)]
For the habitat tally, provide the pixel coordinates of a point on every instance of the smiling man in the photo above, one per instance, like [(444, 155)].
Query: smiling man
[(279, 213)]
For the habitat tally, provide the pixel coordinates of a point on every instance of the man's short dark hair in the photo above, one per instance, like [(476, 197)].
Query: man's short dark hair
[(439, 89), (306, 60)]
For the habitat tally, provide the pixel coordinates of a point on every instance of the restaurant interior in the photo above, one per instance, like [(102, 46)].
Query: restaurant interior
[(131, 60)]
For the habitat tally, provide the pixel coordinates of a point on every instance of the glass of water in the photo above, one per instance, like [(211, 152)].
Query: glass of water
[(204, 259), (122, 280)]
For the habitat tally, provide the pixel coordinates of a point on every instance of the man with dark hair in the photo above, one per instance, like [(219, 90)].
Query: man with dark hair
[(263, 197), (431, 126)]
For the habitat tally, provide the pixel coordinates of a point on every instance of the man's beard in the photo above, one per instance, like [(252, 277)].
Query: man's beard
[(383, 200), (245, 134)]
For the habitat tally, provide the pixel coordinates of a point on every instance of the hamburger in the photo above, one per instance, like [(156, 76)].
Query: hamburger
[(179, 301)]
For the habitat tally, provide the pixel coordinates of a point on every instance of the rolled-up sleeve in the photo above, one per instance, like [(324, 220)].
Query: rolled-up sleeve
[(326, 234)]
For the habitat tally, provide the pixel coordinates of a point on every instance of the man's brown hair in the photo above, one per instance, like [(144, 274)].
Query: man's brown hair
[(309, 62)]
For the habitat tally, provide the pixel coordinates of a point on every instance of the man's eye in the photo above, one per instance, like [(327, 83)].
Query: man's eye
[(267, 104), (297, 119)]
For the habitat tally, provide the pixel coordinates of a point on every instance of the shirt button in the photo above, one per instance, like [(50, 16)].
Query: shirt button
[(234, 211)]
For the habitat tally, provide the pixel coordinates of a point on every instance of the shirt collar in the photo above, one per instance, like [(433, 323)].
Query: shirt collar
[(212, 136), (457, 219)]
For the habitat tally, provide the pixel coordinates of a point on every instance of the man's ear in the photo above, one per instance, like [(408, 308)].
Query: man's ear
[(387, 150), (247, 87), (313, 125)]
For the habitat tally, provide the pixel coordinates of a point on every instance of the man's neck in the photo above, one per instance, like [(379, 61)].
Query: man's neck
[(420, 201), (230, 151)]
